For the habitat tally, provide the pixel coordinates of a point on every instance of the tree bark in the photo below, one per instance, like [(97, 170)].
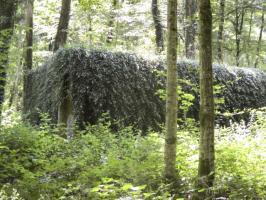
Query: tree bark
[(220, 32), (171, 102), (28, 53), (158, 25), (259, 40), (206, 145), (62, 30), (190, 28), (7, 12)]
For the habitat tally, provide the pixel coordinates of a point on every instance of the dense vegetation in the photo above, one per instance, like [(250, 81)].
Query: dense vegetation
[(82, 115), (100, 164)]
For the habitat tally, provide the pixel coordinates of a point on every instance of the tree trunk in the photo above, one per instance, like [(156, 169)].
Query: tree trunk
[(158, 25), (206, 145), (249, 36), (259, 41), (62, 30), (238, 24), (171, 102), (28, 53), (190, 28), (65, 108), (7, 11), (14, 90), (112, 22), (220, 32), (65, 115)]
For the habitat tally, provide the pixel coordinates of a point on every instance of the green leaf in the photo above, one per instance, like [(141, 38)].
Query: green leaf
[(4, 147), (127, 186)]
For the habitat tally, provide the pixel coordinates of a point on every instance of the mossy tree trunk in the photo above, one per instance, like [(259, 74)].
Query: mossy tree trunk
[(171, 102), (62, 30), (158, 25), (28, 53), (206, 145), (7, 11)]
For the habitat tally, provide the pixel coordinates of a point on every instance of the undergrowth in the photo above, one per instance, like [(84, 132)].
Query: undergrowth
[(39, 163)]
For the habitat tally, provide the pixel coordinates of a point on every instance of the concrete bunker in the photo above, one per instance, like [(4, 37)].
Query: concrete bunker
[(79, 84)]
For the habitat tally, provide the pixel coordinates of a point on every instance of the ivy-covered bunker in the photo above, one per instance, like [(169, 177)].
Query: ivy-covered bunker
[(83, 84), (93, 83)]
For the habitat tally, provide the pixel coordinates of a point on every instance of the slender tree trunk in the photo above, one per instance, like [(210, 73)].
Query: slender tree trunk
[(171, 102), (13, 90), (260, 38), (28, 53), (206, 145), (7, 11), (62, 30), (249, 36), (65, 109), (239, 21), (190, 28), (158, 25), (220, 31), (112, 22), (90, 30)]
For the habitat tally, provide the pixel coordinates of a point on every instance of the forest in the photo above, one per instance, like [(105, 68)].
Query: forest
[(132, 100)]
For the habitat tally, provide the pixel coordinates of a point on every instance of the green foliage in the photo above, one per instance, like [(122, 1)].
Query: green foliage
[(111, 189), (185, 100), (241, 169), (6, 194), (241, 163), (218, 89), (38, 163), (14, 141), (88, 5), (41, 163)]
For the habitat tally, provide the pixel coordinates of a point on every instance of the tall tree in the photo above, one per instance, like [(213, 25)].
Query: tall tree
[(28, 52), (7, 11), (62, 30), (206, 145), (247, 43), (171, 102), (112, 22), (238, 23), (220, 31), (65, 109), (190, 28), (158, 25), (260, 37)]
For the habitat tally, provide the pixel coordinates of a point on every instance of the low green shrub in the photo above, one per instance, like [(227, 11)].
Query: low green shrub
[(39, 163), (241, 160)]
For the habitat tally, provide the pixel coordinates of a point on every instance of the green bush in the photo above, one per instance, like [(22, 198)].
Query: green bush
[(241, 161), (39, 163)]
